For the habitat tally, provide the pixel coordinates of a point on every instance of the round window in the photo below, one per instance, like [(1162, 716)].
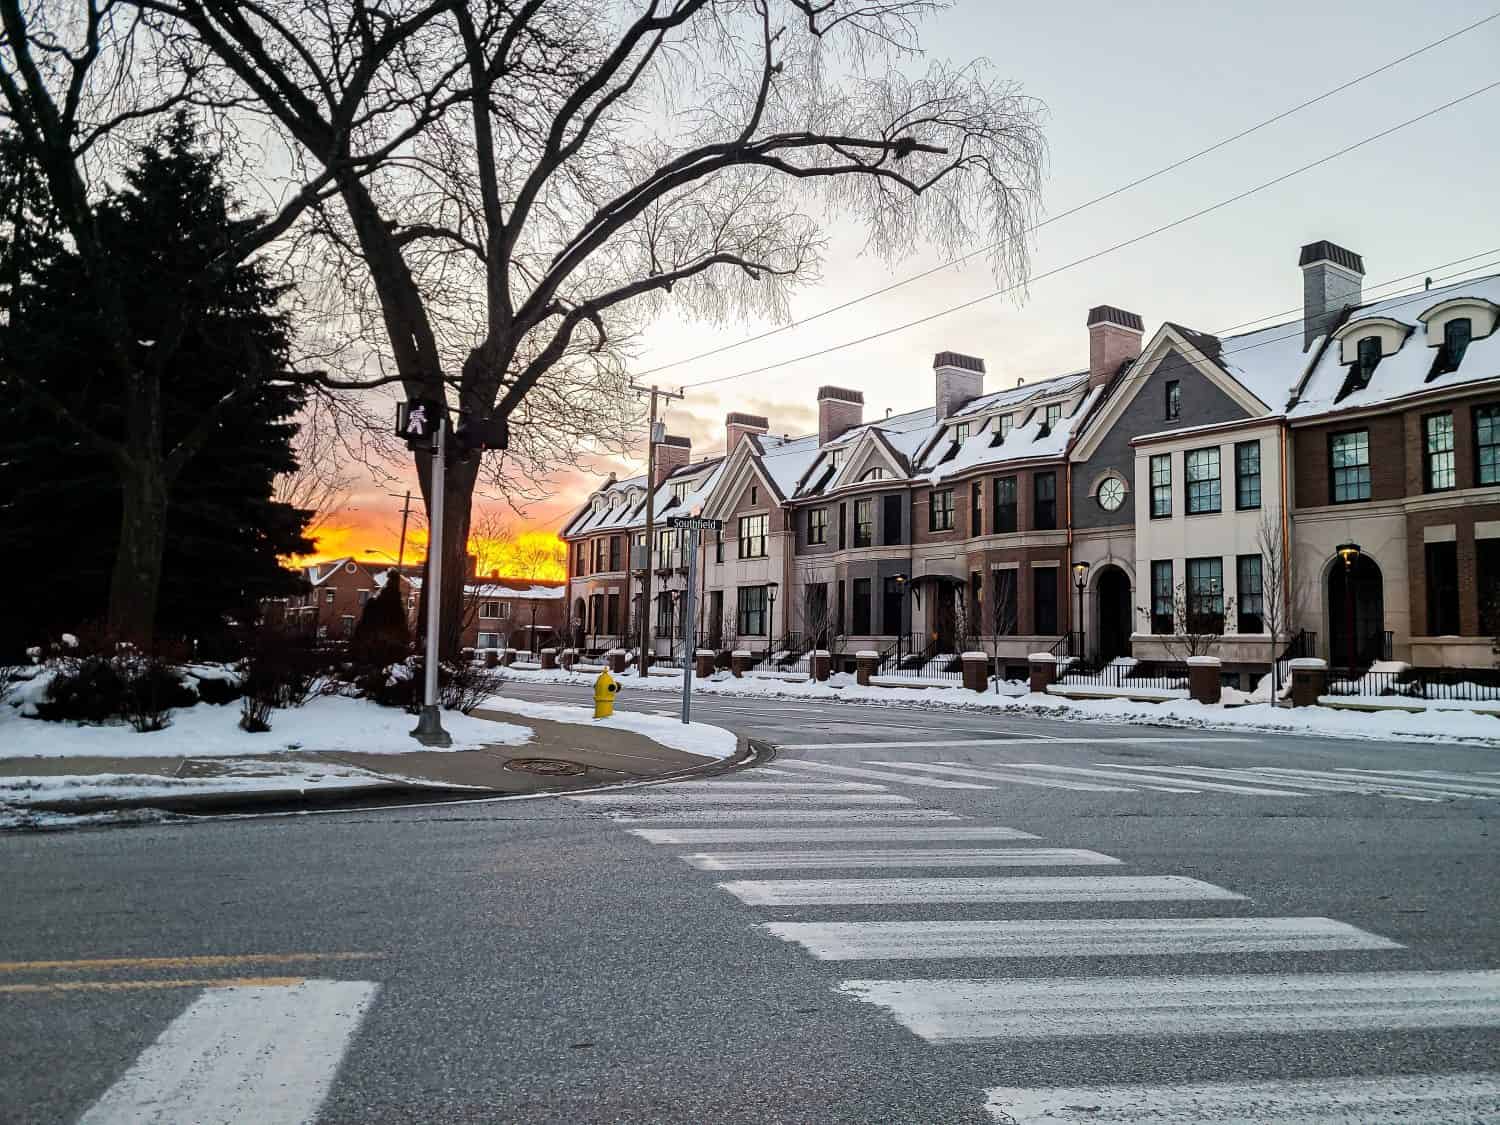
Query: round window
[(1111, 494)]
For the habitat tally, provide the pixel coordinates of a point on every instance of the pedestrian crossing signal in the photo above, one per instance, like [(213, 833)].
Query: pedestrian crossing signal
[(417, 420)]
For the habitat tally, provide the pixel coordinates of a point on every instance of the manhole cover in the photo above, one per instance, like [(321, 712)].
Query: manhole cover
[(552, 767)]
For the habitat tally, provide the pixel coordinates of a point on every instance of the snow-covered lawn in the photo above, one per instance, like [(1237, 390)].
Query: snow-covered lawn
[(1435, 723), (694, 738), (203, 731)]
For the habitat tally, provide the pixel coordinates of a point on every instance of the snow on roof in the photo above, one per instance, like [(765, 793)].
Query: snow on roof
[(624, 507), (785, 461), (519, 588), (1406, 372)]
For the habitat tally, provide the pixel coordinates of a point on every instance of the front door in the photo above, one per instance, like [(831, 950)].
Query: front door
[(945, 617), (1361, 593), (1114, 614)]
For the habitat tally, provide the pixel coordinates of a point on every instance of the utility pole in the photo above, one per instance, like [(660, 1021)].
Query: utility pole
[(652, 437), (405, 514)]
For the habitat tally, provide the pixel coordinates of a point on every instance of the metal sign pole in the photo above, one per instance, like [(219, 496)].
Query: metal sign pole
[(429, 730), (689, 650)]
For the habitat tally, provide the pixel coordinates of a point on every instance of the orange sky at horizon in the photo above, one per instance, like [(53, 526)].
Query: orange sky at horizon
[(530, 553)]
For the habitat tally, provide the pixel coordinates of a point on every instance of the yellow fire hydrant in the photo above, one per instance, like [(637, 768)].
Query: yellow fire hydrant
[(604, 695)]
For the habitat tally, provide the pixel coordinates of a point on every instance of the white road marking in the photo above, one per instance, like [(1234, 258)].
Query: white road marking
[(1257, 775), (1073, 937), (1261, 1003), (262, 1054), (1121, 775), (1412, 1099), (911, 857), (1015, 889), (726, 795), (829, 786), (714, 816), (1004, 742), (1478, 779), (779, 835), (1396, 785), (886, 775), (1015, 779)]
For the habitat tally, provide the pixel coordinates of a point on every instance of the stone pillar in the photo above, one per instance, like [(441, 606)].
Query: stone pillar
[(976, 671), (491, 658), (509, 657), (1204, 683), (549, 659), (821, 664), (1043, 671), (1309, 681), (865, 663), (615, 660), (567, 658), (703, 663), (739, 662)]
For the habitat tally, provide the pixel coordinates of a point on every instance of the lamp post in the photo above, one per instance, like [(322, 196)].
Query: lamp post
[(771, 623), (1080, 580), (1349, 552), (902, 584)]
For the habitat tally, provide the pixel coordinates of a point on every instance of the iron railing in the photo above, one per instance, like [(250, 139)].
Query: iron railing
[(1145, 675), (1472, 685)]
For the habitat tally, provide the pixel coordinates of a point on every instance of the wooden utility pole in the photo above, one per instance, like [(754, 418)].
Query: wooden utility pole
[(405, 514), (643, 660)]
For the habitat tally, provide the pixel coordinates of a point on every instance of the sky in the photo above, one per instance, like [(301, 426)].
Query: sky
[(1128, 89)]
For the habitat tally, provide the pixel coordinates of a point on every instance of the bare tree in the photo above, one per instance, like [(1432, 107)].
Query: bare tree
[(1198, 623), (1278, 590), (320, 484), (543, 175)]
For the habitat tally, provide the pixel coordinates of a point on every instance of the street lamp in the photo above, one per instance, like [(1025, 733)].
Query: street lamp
[(1349, 552), (771, 622), (902, 586), (1080, 580)]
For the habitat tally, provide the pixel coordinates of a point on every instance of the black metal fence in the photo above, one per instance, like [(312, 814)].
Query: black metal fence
[(1152, 675), (1473, 685), (948, 667)]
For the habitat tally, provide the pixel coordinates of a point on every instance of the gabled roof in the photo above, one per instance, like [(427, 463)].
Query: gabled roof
[(624, 501)]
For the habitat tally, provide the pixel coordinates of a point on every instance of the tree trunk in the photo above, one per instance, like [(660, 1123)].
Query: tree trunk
[(136, 581), (458, 489)]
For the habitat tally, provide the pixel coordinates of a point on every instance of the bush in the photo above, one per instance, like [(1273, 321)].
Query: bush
[(461, 687), (283, 670), (96, 689), (217, 690)]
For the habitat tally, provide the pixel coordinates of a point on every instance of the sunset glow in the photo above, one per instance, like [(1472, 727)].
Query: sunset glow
[(528, 554)]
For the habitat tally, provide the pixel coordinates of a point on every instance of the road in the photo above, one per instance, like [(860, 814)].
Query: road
[(1129, 910)]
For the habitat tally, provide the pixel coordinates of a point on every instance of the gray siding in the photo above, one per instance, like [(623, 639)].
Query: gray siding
[(1202, 404)]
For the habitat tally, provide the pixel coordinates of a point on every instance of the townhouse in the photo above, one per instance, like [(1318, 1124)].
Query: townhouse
[(336, 595), (1324, 486)]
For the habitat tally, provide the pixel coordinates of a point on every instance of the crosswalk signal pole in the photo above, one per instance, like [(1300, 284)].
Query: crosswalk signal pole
[(429, 730), (689, 649)]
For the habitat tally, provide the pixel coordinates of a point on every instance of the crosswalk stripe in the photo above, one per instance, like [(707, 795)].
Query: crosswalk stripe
[(714, 816), (1020, 741), (1255, 775), (887, 775), (726, 795), (1072, 1007), (1073, 937), (1121, 775), (266, 1055), (1015, 889), (1477, 779), (717, 784), (912, 857), (1440, 787), (1412, 1099), (799, 835), (1017, 779)]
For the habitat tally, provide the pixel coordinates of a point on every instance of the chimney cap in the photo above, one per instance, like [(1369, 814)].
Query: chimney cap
[(959, 360), (675, 440), (1109, 314), (1325, 251), (841, 395), (758, 421)]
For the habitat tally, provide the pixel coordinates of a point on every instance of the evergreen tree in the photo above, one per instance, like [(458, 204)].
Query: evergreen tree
[(121, 488)]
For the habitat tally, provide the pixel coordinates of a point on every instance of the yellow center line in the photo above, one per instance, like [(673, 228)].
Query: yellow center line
[(206, 962), (126, 985)]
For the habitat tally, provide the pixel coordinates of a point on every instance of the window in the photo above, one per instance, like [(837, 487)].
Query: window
[(1161, 486), (1247, 475), (940, 514), (1005, 602), (838, 607), (754, 494), (864, 521), (842, 514), (680, 490), (1050, 415), (1368, 357), (1487, 565), (961, 431), (719, 545), (877, 473), (1457, 335), (364, 597), (1174, 400), (347, 625), (1044, 513), (715, 618), (817, 525), (976, 509), (861, 624), (1349, 458), (489, 640), (612, 613), (1202, 467), (596, 613), (1163, 598), (489, 609), (1438, 472), (1005, 502), (1442, 589), (1003, 428), (1044, 600), (1251, 594), (890, 608), (836, 458), (1487, 445), (1205, 595), (665, 605), (890, 519), (753, 537), (752, 611), (615, 547)]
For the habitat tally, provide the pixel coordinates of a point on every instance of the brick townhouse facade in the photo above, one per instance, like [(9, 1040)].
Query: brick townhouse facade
[(1080, 513)]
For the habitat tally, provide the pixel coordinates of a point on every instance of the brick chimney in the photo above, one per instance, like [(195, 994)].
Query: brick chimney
[(737, 425), (1114, 337), (838, 411), (1332, 278), (672, 453), (960, 380)]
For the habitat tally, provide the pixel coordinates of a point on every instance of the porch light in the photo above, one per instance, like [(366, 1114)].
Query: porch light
[(1080, 573), (1349, 552)]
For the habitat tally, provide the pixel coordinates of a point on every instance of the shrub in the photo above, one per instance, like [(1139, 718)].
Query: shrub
[(217, 690), (141, 689), (151, 690), (280, 669)]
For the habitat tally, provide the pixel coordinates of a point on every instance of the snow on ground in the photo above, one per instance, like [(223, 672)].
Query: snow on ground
[(693, 738), (328, 723), (1389, 725)]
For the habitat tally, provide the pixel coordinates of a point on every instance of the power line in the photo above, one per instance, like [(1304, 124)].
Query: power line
[(1198, 214), (1172, 167)]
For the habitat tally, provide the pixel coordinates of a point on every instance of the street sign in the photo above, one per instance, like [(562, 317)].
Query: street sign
[(694, 523), (417, 419)]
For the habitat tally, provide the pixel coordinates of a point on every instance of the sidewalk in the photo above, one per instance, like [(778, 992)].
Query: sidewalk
[(559, 756)]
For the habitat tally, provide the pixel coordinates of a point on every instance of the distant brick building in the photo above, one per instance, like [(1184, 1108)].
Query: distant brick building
[(336, 597)]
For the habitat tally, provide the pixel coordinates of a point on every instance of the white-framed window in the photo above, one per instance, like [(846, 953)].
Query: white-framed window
[(1052, 415), (1007, 423), (835, 457), (1203, 486), (328, 597), (346, 625), (961, 431), (489, 610), (877, 473), (489, 640), (364, 597)]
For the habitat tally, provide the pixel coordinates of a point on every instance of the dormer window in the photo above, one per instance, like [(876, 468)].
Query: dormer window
[(836, 458), (961, 431), (1457, 335), (876, 473), (1174, 400), (1007, 423), (1054, 413), (1369, 357), (680, 491)]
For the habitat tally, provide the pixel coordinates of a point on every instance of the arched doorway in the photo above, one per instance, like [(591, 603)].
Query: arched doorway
[(1356, 588), (1114, 618)]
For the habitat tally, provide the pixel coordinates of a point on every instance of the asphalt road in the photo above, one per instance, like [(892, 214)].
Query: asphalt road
[(550, 961)]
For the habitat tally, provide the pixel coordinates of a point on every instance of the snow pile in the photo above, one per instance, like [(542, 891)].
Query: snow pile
[(702, 739)]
